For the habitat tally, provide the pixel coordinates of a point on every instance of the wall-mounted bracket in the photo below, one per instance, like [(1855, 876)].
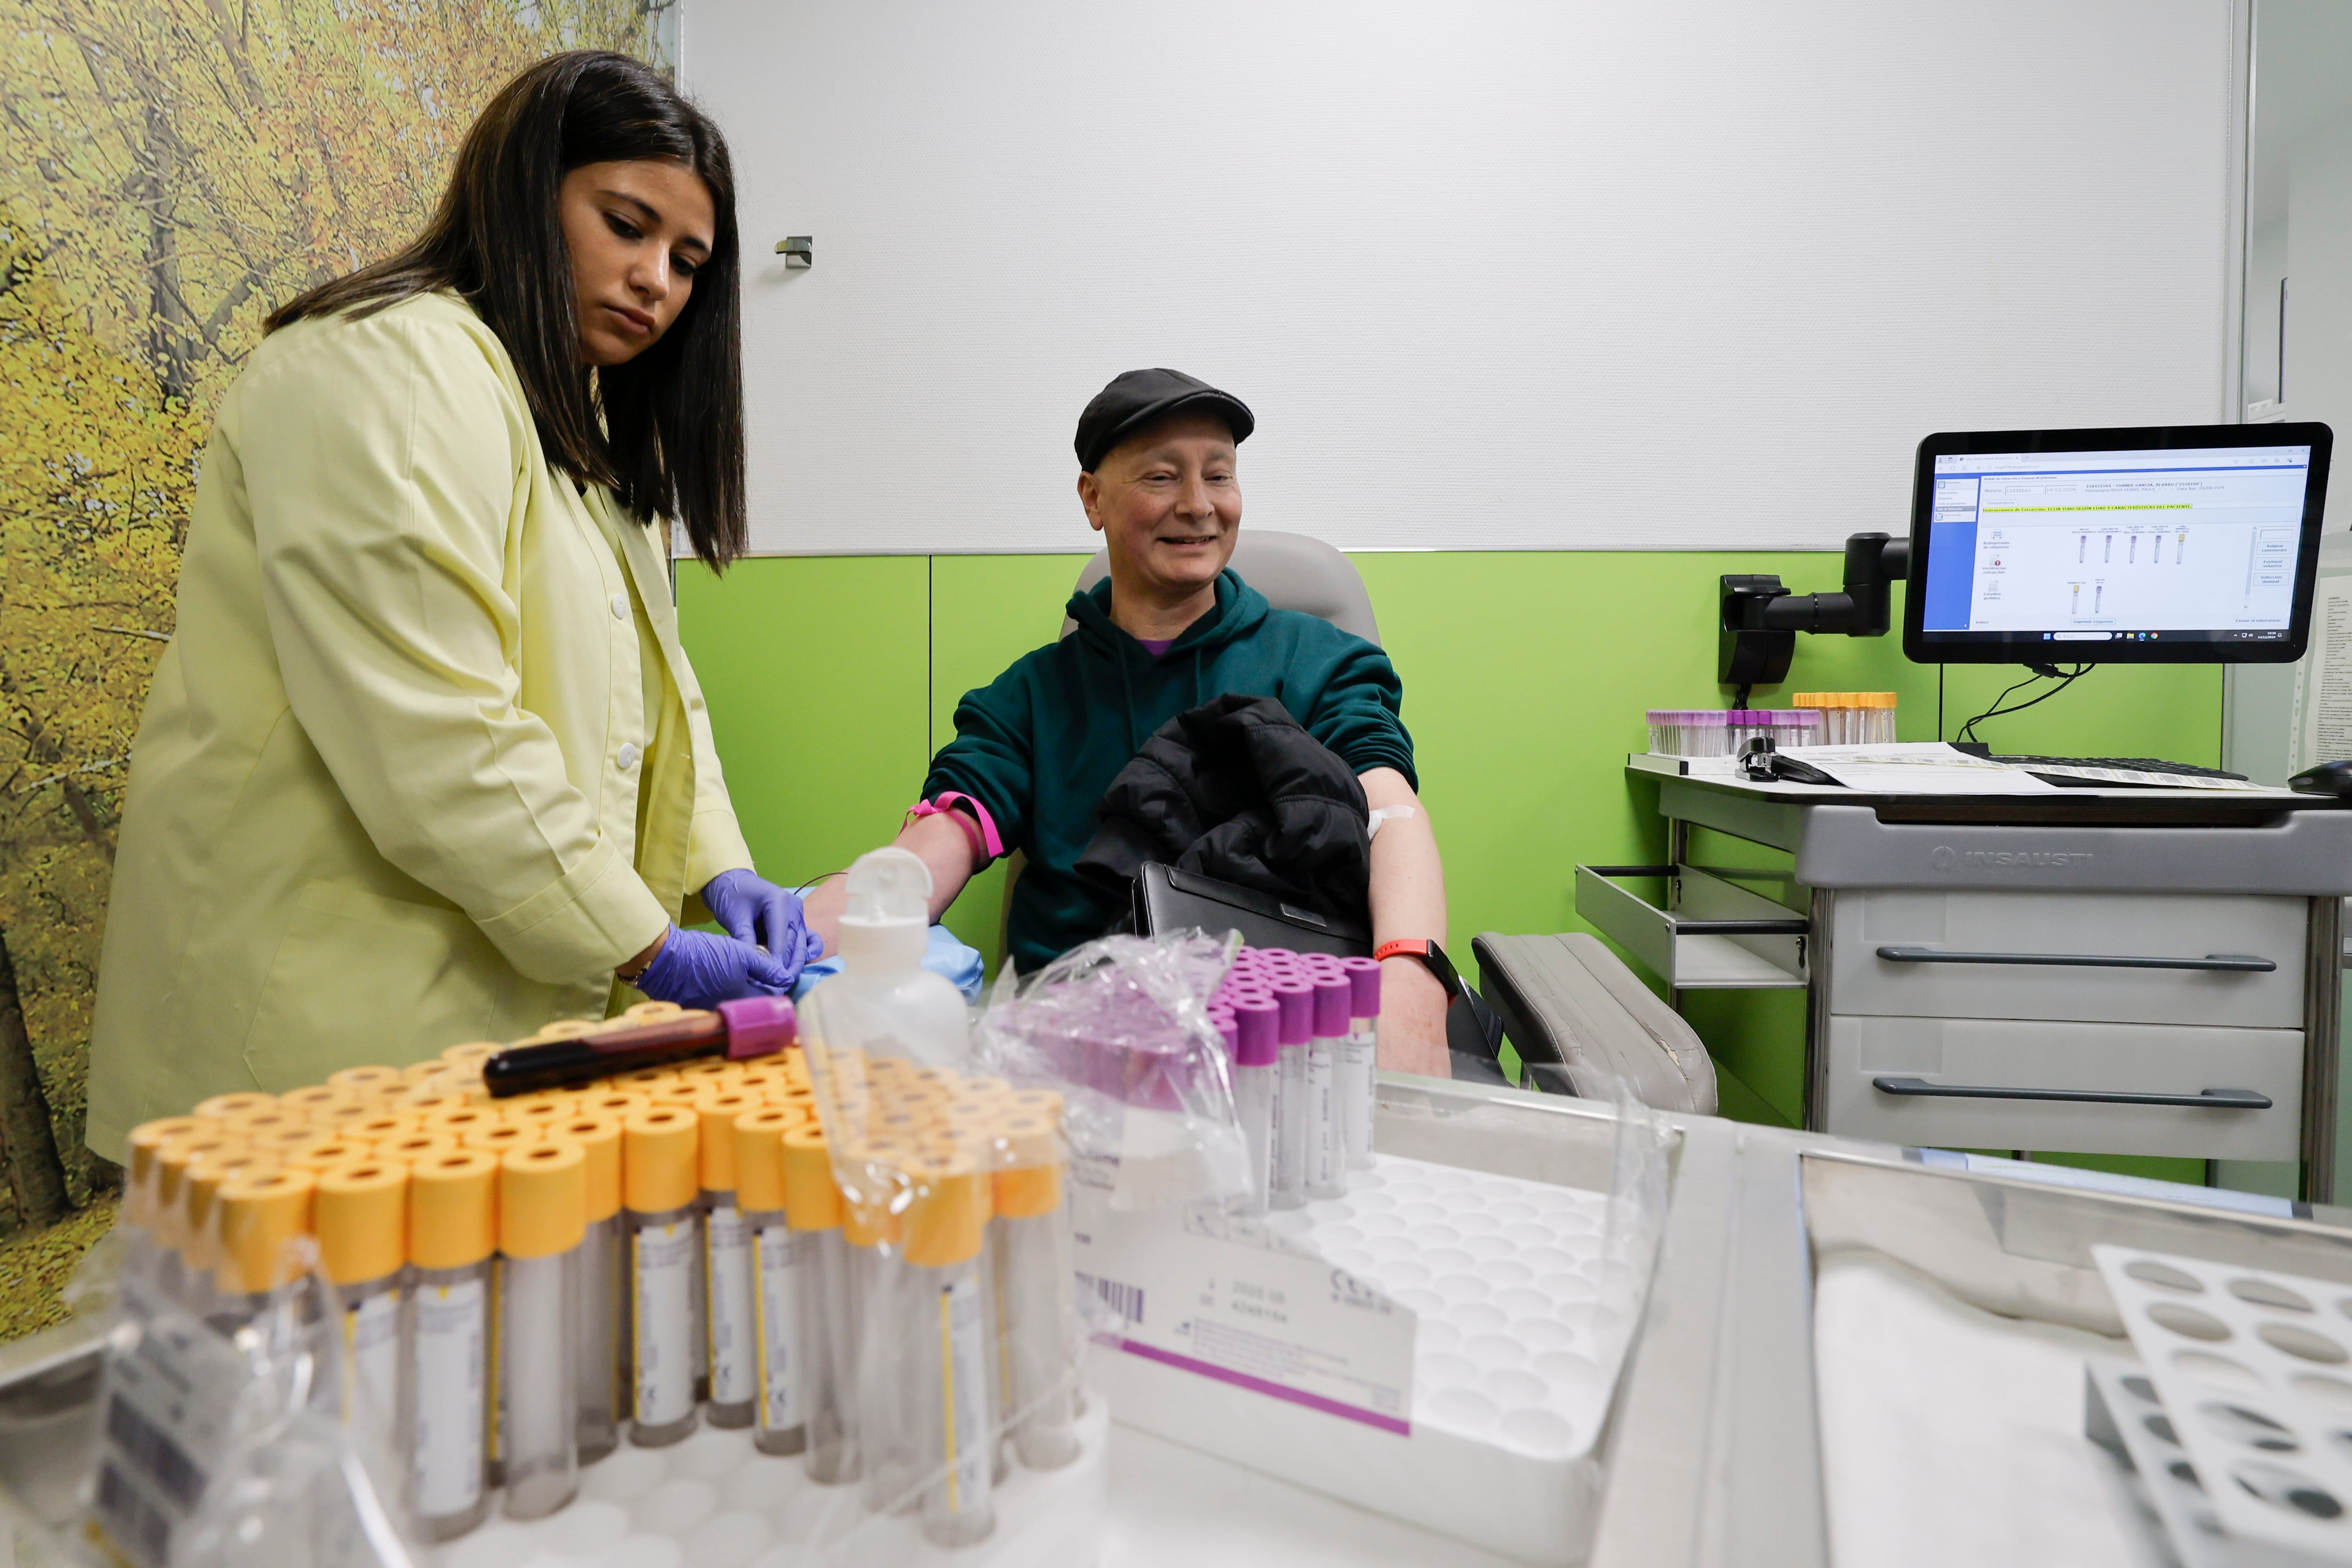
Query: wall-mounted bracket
[(1761, 617), (798, 250)]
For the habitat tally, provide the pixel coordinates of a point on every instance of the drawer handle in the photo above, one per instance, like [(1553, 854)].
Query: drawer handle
[(2207, 1099), (2245, 963)]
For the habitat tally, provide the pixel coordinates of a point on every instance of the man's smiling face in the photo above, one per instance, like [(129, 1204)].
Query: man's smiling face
[(1168, 503)]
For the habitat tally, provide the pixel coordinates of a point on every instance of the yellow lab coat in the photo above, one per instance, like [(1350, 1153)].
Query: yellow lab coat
[(385, 795)]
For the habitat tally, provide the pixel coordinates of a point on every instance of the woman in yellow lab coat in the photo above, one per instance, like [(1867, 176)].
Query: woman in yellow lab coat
[(425, 761)]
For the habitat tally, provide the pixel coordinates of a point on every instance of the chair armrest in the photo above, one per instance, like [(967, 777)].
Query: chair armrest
[(1567, 1000)]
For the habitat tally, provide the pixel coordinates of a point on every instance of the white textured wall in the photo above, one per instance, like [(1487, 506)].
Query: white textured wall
[(1493, 275)]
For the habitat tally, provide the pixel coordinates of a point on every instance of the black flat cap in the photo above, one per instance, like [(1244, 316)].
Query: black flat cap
[(1139, 398)]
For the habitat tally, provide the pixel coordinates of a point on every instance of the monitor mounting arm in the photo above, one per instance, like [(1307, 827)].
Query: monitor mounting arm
[(1760, 619)]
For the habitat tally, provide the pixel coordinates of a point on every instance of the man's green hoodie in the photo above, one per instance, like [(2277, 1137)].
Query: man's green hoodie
[(1037, 747)]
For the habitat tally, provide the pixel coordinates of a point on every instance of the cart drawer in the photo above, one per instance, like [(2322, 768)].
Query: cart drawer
[(2095, 957), (1893, 1078), (1712, 934)]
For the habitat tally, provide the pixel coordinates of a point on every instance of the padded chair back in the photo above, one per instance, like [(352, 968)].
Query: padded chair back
[(1293, 570)]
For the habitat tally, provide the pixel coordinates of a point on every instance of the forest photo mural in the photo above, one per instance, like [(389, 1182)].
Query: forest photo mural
[(170, 172)]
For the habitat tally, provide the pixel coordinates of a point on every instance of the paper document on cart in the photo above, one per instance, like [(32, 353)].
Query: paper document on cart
[(1225, 1297), (1919, 768)]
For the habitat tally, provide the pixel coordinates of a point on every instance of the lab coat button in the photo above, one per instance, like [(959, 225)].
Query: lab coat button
[(628, 755), (620, 607)]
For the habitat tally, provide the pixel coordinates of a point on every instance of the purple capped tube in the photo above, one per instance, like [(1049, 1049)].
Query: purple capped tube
[(1257, 1037), (1327, 1168), (1360, 1058), (1295, 1000)]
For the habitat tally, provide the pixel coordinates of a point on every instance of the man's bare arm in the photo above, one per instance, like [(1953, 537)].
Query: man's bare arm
[(943, 846), (1408, 896)]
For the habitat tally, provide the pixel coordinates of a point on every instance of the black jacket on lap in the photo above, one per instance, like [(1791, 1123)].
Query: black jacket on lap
[(1236, 789)]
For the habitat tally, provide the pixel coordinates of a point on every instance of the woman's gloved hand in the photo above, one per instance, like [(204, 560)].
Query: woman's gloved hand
[(699, 970), (764, 914)]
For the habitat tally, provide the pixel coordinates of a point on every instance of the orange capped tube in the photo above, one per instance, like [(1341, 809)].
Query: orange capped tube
[(945, 1326), (543, 1218), (1038, 1331), (140, 1165), (360, 1211), (660, 1180), (452, 1232), (603, 1282), (758, 1135), (262, 1214), (824, 1284)]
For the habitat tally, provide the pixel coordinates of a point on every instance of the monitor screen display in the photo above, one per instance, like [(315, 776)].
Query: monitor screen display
[(2116, 550)]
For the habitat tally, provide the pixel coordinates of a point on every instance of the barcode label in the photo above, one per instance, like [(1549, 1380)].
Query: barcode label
[(134, 1521), (158, 1458), (1126, 1300), (169, 1394)]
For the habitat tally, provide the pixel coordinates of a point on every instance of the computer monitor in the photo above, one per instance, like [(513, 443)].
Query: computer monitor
[(2171, 544)]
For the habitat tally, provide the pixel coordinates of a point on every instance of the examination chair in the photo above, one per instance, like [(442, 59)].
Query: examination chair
[(1577, 1016)]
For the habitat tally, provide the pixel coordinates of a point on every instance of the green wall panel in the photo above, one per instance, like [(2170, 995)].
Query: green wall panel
[(986, 611), (814, 669), (1525, 677)]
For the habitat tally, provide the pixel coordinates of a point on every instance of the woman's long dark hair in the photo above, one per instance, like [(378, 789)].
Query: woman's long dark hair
[(664, 431)]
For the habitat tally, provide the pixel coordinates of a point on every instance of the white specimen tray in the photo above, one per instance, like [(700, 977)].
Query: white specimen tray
[(1513, 1369)]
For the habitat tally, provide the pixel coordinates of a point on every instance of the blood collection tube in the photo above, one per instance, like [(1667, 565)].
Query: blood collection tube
[(380, 1127), (414, 1147), (274, 1126), (460, 1121), (200, 1185), (542, 1215), (1295, 999), (1257, 1032), (539, 1109), (967, 1124), (142, 1172), (1359, 1062), (500, 1138), (319, 1154), (1221, 1016), (1327, 1168), (597, 1329), (260, 1215), (361, 1214), (886, 1436), (940, 1332), (178, 1275), (658, 1176), (828, 1321), (323, 1102), (565, 1059), (224, 1108), (731, 1358), (367, 1083), (1031, 1240), (760, 1194), (452, 1232)]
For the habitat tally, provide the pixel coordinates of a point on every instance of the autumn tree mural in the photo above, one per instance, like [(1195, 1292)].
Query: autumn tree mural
[(170, 170)]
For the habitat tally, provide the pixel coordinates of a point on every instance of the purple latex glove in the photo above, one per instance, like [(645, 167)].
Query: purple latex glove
[(764, 914), (699, 970)]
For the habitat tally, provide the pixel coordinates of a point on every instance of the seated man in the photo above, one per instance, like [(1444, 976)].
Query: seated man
[(1172, 628)]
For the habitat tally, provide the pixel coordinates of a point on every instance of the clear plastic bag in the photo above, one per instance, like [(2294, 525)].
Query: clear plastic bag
[(1120, 1027), (230, 1428), (952, 1258), (1639, 1160)]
